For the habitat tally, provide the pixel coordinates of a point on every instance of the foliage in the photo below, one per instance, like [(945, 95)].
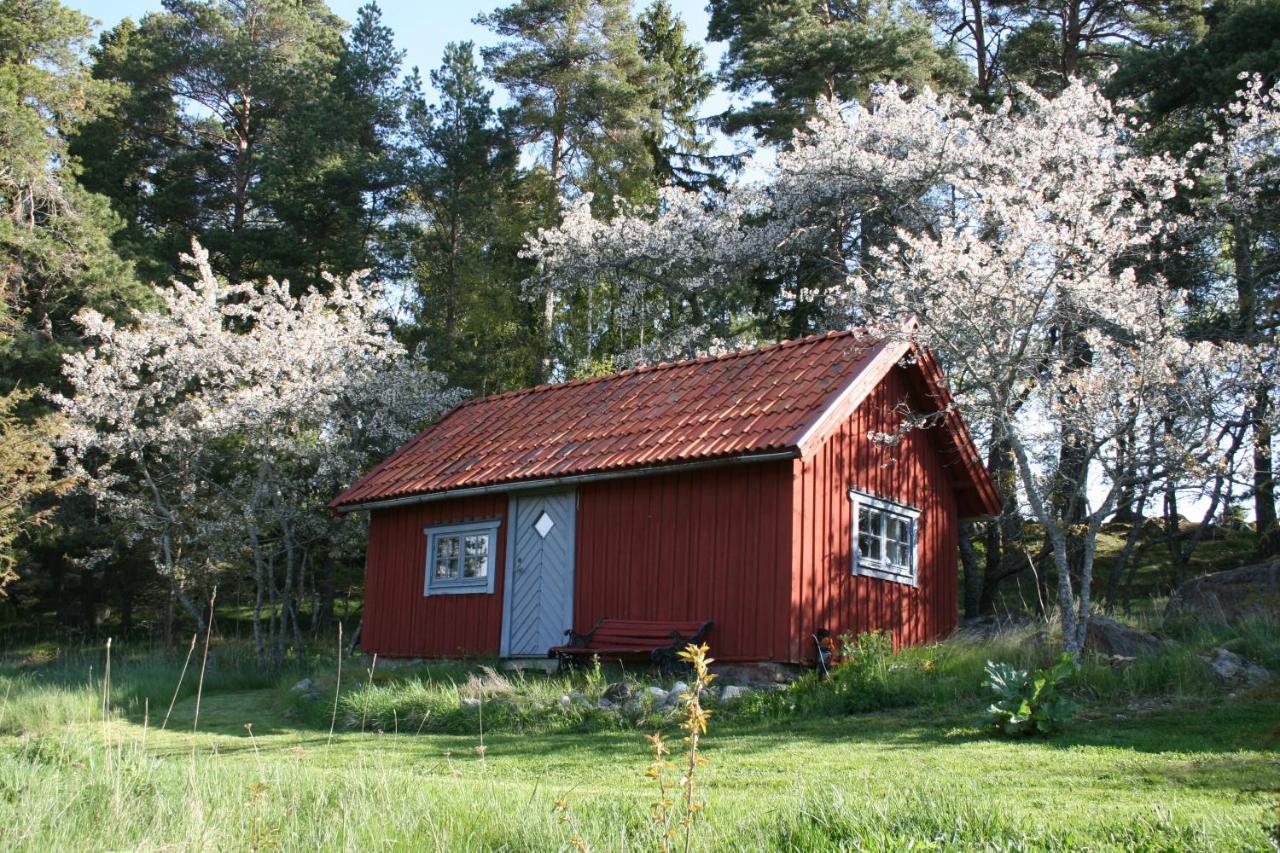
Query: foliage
[(471, 210), (1029, 703), (255, 126), (799, 53), (27, 473), (220, 428), (678, 810)]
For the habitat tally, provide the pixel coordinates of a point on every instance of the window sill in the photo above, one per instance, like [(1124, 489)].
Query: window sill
[(885, 575), (465, 589)]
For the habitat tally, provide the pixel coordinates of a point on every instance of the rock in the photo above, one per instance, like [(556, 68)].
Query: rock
[(470, 703), (303, 686), (732, 692), (578, 698), (1231, 669), (781, 673), (566, 701), (633, 706), (618, 691), (658, 694), (1120, 661), (1108, 637), (758, 675), (676, 692), (1230, 596), (604, 705), (312, 695), (992, 625)]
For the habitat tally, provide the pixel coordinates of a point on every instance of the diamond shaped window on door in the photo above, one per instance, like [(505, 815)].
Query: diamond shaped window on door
[(543, 525)]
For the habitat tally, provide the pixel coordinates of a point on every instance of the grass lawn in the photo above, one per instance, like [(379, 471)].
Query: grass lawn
[(1181, 773)]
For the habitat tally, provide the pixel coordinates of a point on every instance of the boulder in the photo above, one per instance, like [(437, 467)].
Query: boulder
[(470, 703), (676, 693), (1109, 638), (604, 705), (618, 691), (1230, 596), (732, 692), (658, 694), (1233, 670), (303, 686), (633, 706), (565, 701)]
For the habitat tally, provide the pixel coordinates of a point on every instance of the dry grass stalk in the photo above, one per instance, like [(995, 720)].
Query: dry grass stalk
[(181, 676), (204, 661), (337, 688)]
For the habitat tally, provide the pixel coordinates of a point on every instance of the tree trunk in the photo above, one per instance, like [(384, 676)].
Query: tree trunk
[(1264, 489)]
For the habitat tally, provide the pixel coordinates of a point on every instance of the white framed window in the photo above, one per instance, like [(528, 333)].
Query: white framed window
[(461, 558), (884, 538)]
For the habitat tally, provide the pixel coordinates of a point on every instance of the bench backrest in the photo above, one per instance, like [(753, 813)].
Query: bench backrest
[(634, 633)]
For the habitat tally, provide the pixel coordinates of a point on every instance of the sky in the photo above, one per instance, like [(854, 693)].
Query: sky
[(424, 27)]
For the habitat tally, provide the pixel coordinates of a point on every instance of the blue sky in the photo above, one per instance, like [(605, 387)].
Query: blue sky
[(422, 27)]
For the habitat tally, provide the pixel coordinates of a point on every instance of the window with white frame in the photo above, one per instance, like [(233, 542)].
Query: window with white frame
[(461, 558), (884, 538)]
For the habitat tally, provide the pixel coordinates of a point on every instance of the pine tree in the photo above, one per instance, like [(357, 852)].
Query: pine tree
[(254, 125), (55, 238), (466, 191), (790, 53), (581, 93), (679, 85)]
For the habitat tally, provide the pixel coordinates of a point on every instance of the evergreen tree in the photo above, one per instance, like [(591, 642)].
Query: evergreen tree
[(582, 103), (466, 193), (680, 85), (255, 125), (55, 247), (790, 53), (574, 70)]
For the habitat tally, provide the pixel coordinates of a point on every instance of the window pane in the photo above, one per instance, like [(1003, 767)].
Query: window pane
[(447, 548), (478, 545), (870, 526), (476, 567)]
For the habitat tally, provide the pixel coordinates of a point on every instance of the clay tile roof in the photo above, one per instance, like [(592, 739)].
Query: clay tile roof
[(740, 404)]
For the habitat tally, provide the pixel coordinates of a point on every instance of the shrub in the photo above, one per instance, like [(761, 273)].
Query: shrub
[(1027, 702)]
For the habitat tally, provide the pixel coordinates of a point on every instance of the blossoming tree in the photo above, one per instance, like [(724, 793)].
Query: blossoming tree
[(219, 426), (1015, 238)]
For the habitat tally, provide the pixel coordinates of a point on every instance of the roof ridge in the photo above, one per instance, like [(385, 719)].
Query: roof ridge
[(667, 365)]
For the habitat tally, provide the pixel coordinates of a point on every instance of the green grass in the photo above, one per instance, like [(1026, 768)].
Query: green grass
[(1160, 760)]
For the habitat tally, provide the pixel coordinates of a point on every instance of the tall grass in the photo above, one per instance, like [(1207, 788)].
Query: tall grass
[(43, 694)]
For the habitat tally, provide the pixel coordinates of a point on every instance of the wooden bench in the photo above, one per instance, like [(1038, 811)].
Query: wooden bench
[(660, 642)]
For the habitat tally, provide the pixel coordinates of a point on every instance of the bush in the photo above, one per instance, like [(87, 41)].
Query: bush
[(1028, 703)]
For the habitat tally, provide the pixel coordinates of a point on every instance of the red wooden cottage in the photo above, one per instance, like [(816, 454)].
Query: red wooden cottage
[(745, 489)]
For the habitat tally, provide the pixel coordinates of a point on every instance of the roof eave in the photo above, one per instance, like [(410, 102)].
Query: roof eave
[(567, 480)]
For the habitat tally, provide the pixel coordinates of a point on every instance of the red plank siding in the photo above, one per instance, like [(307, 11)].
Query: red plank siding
[(399, 621), (695, 545), (825, 594)]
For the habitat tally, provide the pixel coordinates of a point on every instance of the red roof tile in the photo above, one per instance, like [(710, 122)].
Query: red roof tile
[(744, 403)]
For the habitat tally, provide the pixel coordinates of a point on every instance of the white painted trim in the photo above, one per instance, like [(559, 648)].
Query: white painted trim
[(508, 573), (553, 483), (431, 586), (877, 569), (876, 365)]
